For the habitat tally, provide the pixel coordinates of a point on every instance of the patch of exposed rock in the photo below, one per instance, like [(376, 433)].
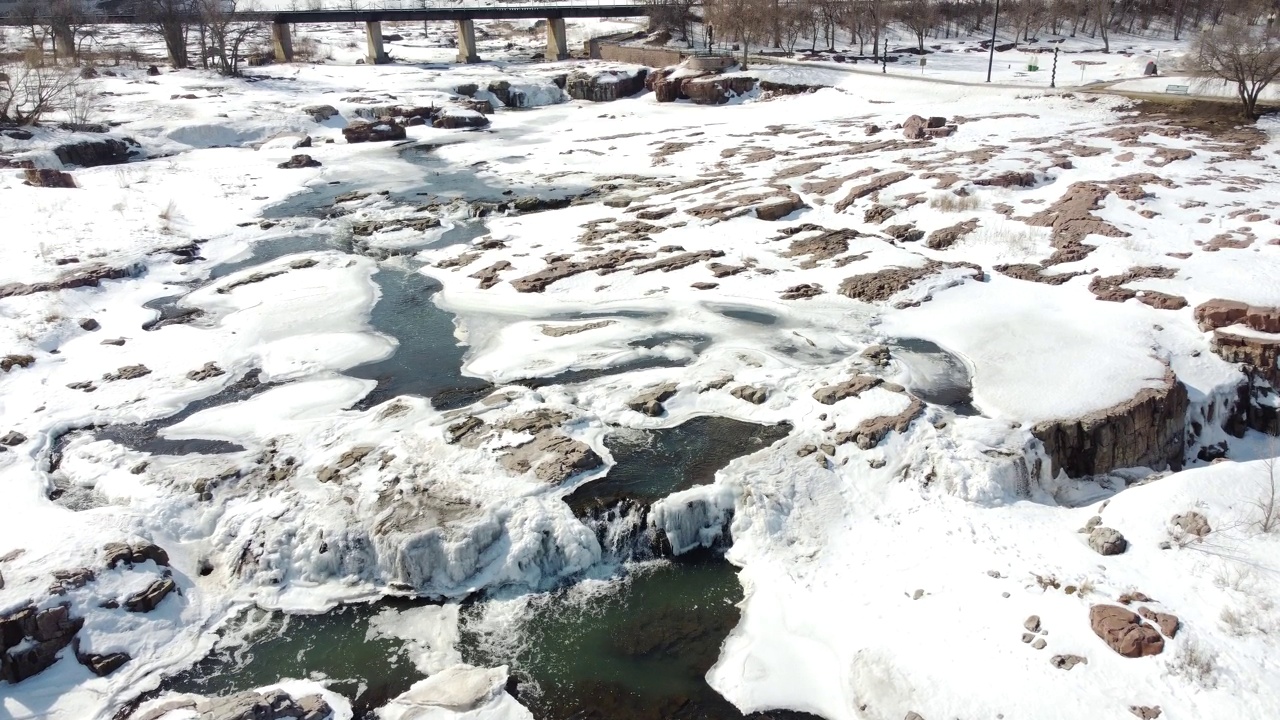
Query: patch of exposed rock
[(884, 284), (562, 330), (561, 269), (872, 431), (650, 401), (267, 705), (1147, 430), (802, 291), (85, 277), (92, 153), (553, 457), (1112, 287), (118, 553), (297, 162), (9, 362), (853, 387), (948, 236), (488, 277), (1035, 273), (870, 187)]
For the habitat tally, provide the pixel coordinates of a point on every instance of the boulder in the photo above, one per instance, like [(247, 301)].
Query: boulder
[(460, 118), (358, 132), (209, 370), (153, 71), (650, 401), (1192, 523), (1167, 622), (1107, 541), (1124, 632), (1143, 711), (148, 599), (12, 438), (49, 179), (1066, 662), (103, 665), (914, 128), (92, 153), (320, 113), (553, 457), (298, 162), (128, 372), (751, 394), (9, 362)]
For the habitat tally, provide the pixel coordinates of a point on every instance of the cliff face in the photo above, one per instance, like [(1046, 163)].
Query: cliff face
[(1147, 430), (1255, 345)]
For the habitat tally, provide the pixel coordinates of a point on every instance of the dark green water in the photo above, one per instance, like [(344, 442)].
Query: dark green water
[(655, 463), (640, 651), (336, 646)]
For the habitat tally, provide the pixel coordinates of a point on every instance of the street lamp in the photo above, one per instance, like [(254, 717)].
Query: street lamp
[(991, 58)]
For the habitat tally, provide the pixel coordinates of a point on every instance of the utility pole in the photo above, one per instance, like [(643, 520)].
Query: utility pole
[(991, 58)]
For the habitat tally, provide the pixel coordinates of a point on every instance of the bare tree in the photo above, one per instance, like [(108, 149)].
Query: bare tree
[(1237, 53), (28, 92), (225, 35), (743, 20), (171, 20), (918, 16), (70, 22), (1268, 500)]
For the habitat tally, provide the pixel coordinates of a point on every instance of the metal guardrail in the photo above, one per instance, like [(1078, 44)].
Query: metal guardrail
[(407, 10)]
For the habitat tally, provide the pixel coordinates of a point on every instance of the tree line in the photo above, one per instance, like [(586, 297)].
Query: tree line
[(784, 23), (66, 27)]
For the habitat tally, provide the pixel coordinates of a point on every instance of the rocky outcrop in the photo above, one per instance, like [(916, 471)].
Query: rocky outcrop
[(750, 393), (1146, 431), (1072, 219), (209, 370), (91, 153), (717, 90), (101, 665), (872, 431), (358, 132), (118, 553), (268, 705), (605, 86), (1124, 631), (31, 639), (90, 276), (488, 277)]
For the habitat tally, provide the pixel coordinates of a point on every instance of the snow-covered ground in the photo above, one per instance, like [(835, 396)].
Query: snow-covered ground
[(882, 574)]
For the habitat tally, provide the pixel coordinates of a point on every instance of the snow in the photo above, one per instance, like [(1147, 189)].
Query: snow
[(331, 501)]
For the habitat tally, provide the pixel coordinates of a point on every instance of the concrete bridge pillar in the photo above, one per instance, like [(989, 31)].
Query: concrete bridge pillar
[(282, 42), (373, 34), (557, 48), (467, 42)]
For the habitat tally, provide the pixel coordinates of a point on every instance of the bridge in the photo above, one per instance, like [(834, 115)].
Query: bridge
[(282, 21)]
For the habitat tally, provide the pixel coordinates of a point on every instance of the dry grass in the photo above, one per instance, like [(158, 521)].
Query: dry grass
[(952, 203)]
